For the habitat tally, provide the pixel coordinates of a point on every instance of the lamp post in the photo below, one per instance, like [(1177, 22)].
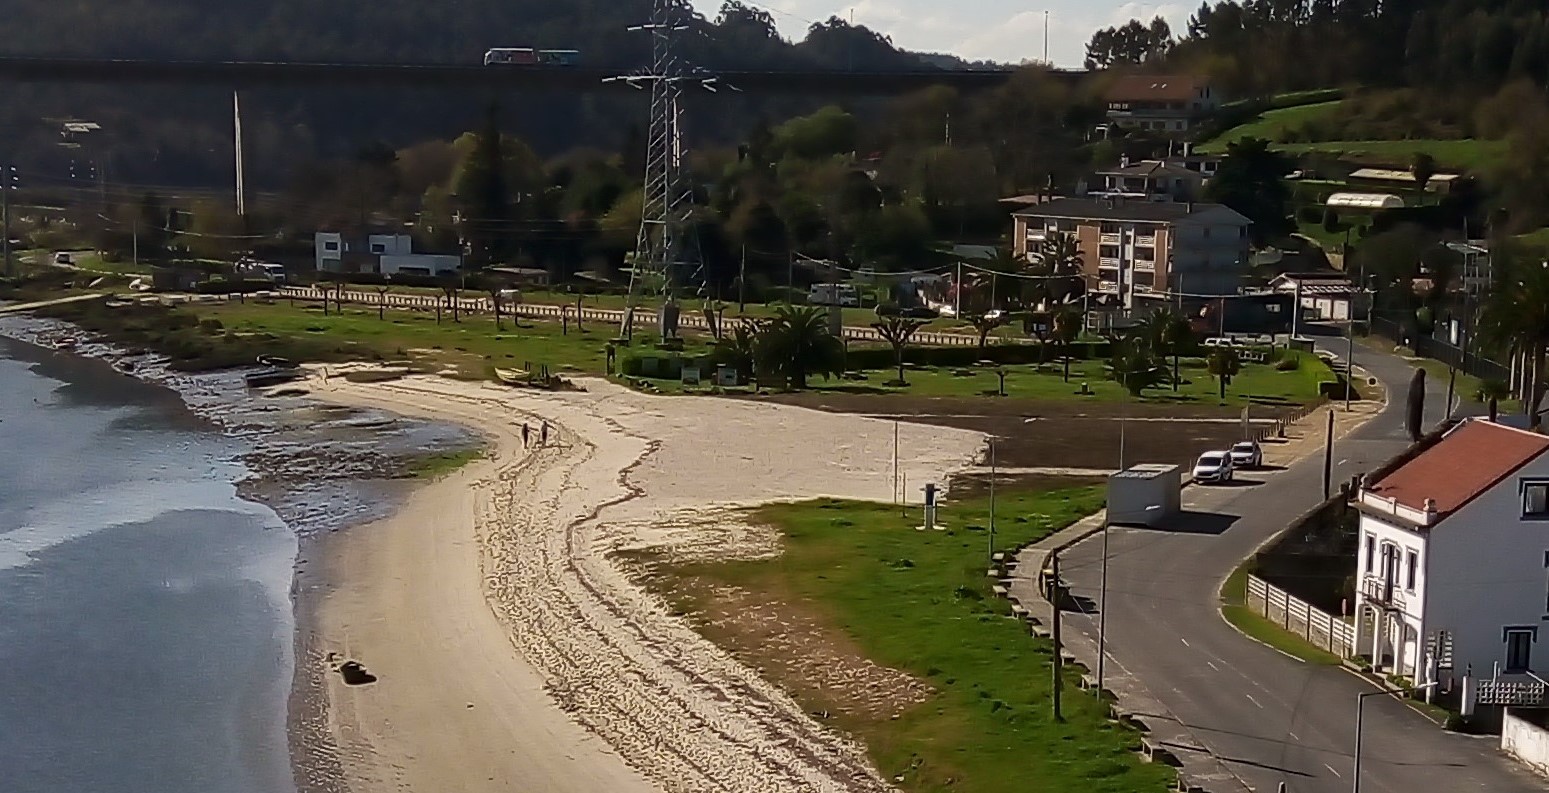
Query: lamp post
[(1360, 708)]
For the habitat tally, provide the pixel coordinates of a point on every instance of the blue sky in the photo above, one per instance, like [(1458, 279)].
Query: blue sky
[(1003, 30)]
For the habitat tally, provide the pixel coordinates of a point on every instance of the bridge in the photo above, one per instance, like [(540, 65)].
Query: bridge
[(20, 308), (250, 74)]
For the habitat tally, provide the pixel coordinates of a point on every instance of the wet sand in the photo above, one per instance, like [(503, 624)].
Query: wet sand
[(513, 652)]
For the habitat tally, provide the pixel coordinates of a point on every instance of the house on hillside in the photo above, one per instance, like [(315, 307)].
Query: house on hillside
[(1453, 567), (1161, 103), (1394, 179), (1131, 248), (1150, 180)]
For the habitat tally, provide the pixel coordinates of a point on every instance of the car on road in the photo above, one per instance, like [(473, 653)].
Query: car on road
[(62, 257), (1247, 454), (1213, 467)]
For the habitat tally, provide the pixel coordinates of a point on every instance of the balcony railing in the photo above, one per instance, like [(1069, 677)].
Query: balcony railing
[(1390, 506), (1107, 263), (1145, 242), (1382, 592), (1110, 239), (1145, 267)]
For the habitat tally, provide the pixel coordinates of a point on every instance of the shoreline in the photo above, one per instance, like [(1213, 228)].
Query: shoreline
[(514, 652)]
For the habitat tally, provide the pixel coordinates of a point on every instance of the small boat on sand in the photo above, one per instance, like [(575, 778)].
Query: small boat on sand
[(264, 378)]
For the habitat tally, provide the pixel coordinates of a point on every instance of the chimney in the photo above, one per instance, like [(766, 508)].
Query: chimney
[(1124, 161), (1430, 509)]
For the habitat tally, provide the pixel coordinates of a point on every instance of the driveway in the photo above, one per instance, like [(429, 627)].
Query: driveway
[(1270, 718)]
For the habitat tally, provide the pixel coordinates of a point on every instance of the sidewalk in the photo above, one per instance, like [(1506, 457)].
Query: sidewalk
[(1133, 703)]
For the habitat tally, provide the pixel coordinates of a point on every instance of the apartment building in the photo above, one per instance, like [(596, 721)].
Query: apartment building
[(1138, 247)]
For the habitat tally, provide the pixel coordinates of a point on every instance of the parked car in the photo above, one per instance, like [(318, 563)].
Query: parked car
[(1213, 467), (62, 258), (1247, 454)]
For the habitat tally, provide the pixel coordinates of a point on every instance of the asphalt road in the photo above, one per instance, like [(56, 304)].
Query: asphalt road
[(1270, 718)]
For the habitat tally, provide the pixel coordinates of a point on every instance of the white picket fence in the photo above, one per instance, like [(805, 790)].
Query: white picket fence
[(1322, 629)]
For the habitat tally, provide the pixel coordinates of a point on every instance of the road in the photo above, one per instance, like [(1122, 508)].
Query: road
[(1269, 718)]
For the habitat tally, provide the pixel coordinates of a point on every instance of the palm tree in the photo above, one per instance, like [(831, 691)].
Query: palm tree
[(898, 331), (985, 324), (739, 349), (1067, 328), (1135, 367), (1516, 314), (1060, 263), (796, 343), (1225, 365), (1168, 333)]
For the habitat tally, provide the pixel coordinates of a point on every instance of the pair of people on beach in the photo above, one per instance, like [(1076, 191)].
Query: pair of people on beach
[(543, 437)]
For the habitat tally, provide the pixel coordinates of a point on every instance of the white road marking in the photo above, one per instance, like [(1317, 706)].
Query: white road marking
[(1333, 771), (1212, 665), (1251, 699), (1342, 462), (1185, 642)]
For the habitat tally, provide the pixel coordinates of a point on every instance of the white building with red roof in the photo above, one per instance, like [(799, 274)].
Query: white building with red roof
[(1453, 568)]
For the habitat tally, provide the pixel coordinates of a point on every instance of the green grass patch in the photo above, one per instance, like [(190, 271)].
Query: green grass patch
[(1467, 386), (1272, 125), (432, 466), (1234, 607), (920, 602)]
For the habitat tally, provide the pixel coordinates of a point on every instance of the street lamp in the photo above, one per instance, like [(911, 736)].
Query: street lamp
[(1360, 707)]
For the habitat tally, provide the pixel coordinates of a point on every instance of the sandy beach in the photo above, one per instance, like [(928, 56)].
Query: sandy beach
[(514, 653)]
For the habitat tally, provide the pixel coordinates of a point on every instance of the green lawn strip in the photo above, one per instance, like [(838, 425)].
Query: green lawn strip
[(432, 466), (920, 602), (1467, 386), (1234, 607), (1271, 125)]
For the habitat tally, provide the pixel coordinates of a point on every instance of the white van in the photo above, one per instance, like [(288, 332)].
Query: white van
[(834, 295)]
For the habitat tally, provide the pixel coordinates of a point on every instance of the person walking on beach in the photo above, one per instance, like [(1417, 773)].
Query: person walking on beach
[(526, 433), (544, 437)]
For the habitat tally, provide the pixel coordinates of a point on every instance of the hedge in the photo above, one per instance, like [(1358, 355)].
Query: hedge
[(663, 365), (1006, 354)]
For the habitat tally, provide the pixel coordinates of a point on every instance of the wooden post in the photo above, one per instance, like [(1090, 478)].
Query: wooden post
[(1328, 457), (1054, 630)]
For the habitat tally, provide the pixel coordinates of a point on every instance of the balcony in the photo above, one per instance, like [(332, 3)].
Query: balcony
[(1145, 267), (1145, 242), (1107, 263), (1110, 239), (1108, 287), (1383, 593)]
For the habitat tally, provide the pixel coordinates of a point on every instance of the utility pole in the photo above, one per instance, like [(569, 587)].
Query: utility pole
[(957, 302), (1054, 630), (742, 283), (992, 499), (1328, 456), (236, 122), (1046, 38), (7, 179), (1350, 364), (790, 277)]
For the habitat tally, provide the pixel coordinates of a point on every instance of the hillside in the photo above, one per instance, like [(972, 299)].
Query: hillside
[(177, 136)]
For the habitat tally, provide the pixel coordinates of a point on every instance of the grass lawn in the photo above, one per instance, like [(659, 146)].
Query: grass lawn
[(1256, 384), (1474, 155), (472, 347), (1233, 606), (1467, 385), (919, 602), (1270, 125)]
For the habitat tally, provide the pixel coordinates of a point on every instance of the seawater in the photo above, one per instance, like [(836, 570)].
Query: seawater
[(147, 560)]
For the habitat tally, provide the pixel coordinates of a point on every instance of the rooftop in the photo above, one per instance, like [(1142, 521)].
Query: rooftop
[(1123, 210), (1365, 201), (1459, 467), (1150, 168), (1392, 175), (1156, 88)]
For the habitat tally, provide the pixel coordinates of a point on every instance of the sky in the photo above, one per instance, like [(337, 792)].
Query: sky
[(1001, 30)]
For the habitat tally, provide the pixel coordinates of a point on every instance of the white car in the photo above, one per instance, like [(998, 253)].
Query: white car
[(1247, 454), (1213, 467)]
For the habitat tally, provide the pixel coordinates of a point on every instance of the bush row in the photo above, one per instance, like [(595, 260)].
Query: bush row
[(1007, 354)]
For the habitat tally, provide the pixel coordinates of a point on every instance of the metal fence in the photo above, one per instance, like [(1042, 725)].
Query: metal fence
[(1444, 351), (1322, 629)]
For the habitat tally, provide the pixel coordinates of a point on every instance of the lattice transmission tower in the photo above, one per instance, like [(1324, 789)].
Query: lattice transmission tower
[(667, 260)]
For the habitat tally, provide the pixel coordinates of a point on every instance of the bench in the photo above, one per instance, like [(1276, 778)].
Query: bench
[(1000, 590), (1019, 611), (1152, 750)]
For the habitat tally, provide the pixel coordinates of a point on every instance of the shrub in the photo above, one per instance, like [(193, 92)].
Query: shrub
[(1289, 364), (212, 327)]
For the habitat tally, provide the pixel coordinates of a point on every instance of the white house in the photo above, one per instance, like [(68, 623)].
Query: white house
[(1453, 568), (1325, 296), (388, 254)]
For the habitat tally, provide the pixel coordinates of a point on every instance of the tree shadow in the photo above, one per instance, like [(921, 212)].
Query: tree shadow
[(1194, 522)]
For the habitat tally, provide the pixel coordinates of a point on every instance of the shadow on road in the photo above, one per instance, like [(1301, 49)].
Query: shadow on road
[(1194, 522)]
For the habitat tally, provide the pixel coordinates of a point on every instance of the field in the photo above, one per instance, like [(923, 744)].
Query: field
[(893, 635), (1271, 125)]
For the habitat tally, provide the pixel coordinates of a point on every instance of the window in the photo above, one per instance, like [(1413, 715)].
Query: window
[(1371, 552), (1519, 648), (1535, 499), (1413, 559), (330, 246), (377, 247)]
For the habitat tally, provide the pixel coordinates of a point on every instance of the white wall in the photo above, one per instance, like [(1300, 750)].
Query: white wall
[(328, 259), (389, 244), (434, 264), (1527, 742), (1369, 566), (1487, 573)]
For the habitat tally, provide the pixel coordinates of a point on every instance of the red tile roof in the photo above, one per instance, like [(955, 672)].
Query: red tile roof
[(1156, 88), (1461, 466)]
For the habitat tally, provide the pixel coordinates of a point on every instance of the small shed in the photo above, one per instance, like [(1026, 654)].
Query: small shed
[(1145, 495)]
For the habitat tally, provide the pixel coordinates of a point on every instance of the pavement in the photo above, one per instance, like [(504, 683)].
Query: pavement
[(1238, 714)]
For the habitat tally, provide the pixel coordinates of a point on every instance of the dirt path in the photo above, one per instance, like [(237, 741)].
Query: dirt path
[(514, 654)]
